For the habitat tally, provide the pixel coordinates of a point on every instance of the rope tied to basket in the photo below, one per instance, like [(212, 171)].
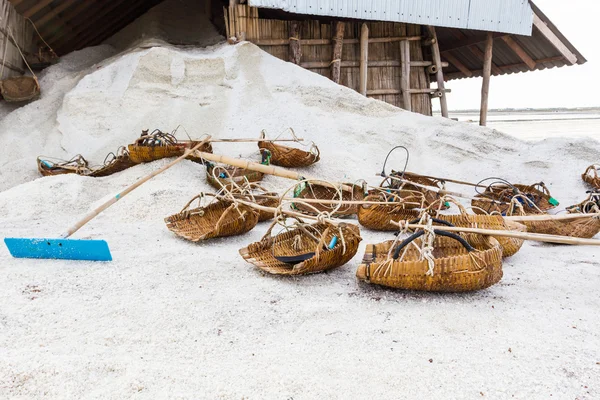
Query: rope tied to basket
[(427, 244)]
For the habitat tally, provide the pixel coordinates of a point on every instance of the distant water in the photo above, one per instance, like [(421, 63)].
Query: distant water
[(540, 125)]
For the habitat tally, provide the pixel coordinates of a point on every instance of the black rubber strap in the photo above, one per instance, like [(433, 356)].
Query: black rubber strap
[(436, 220), (416, 235)]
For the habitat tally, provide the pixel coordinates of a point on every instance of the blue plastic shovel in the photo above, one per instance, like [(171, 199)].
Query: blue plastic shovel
[(81, 249)]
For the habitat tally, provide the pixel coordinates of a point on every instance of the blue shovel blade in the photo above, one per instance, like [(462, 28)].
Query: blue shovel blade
[(62, 249)]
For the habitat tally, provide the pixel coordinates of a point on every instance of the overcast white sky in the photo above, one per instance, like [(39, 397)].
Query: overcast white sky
[(576, 86)]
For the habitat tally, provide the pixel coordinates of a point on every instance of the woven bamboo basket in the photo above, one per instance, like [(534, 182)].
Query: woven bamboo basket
[(290, 157), (258, 194), (535, 199), (378, 217), (114, 163), (226, 176), (20, 88), (317, 191), (456, 268), (156, 145), (590, 176), (49, 166), (304, 250), (580, 228), (218, 219), (589, 206), (414, 196), (510, 246)]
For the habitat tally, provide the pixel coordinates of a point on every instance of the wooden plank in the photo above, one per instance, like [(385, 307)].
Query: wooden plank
[(338, 46), (468, 41), (364, 58), (495, 69), (316, 42), (437, 60), (47, 17), (552, 38), (485, 87), (295, 47), (405, 75), (36, 7), (461, 67), (519, 51), (381, 92)]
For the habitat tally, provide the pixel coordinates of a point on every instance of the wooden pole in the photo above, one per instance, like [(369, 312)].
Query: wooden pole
[(405, 78), (538, 237), (337, 51), (487, 72), (94, 213), (364, 58), (437, 60), (295, 47)]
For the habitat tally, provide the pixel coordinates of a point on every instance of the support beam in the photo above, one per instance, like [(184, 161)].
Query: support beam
[(314, 42), (485, 87), (460, 66), (555, 40), (519, 51), (405, 75), (437, 60), (364, 58), (295, 48), (47, 17), (481, 55), (37, 7), (338, 39)]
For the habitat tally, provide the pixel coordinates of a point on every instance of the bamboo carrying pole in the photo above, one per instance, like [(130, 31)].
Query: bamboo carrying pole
[(487, 72), (405, 74), (538, 237), (253, 140), (338, 39), (265, 169), (93, 214), (364, 58), (437, 60)]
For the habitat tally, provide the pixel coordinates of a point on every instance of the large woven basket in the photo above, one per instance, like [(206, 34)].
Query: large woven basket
[(219, 219), (156, 145), (114, 163), (306, 251), (318, 191), (455, 268), (226, 176), (510, 246), (414, 196), (590, 176), (378, 217), (290, 157), (590, 205), (20, 88), (580, 228), (535, 199), (49, 166)]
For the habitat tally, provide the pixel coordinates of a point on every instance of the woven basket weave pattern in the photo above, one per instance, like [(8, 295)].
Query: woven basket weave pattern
[(294, 242), (289, 157), (455, 270), (378, 217)]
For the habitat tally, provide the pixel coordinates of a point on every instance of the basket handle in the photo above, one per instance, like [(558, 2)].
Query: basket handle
[(416, 235), (388, 156)]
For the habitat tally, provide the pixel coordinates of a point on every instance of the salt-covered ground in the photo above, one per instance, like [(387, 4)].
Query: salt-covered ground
[(173, 319)]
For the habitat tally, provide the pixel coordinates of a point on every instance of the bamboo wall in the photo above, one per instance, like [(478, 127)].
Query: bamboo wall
[(384, 59), (22, 31)]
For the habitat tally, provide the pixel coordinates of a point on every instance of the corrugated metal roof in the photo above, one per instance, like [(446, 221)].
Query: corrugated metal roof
[(508, 16)]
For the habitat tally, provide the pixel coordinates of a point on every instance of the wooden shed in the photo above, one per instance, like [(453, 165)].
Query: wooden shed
[(402, 52)]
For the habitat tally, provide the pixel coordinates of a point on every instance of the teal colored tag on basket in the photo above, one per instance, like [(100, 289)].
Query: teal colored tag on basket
[(446, 204), (553, 201), (299, 189)]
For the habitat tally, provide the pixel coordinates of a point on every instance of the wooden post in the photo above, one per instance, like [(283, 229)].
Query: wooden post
[(487, 72), (364, 58), (437, 60), (338, 44), (405, 78), (295, 46)]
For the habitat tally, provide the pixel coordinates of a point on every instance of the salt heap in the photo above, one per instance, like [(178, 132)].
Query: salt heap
[(169, 318)]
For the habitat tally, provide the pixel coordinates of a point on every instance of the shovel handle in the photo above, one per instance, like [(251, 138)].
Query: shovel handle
[(93, 214)]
